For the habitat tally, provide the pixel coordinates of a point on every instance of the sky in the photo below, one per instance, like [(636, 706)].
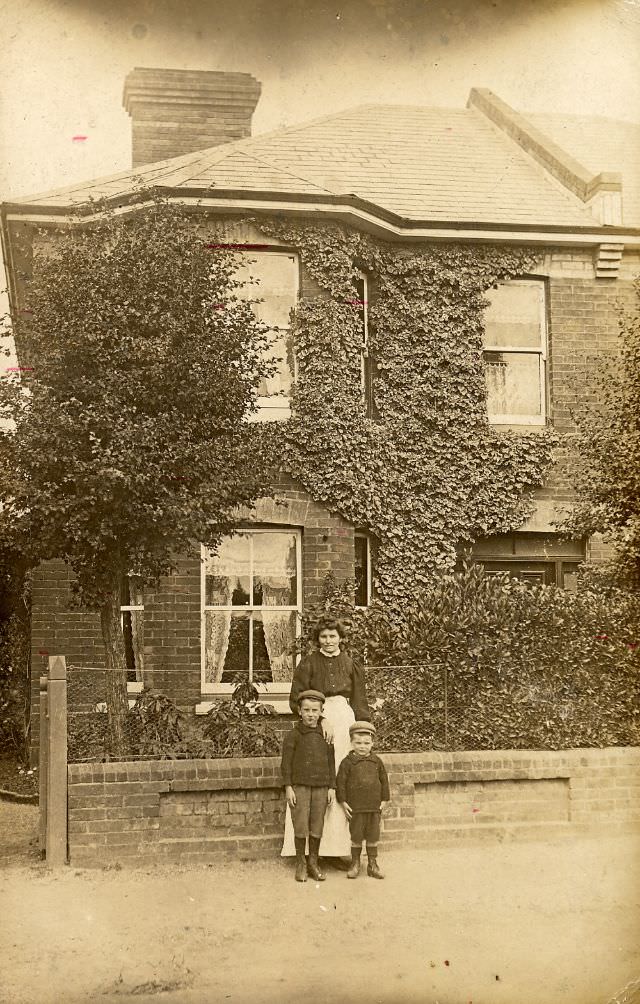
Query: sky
[(64, 64)]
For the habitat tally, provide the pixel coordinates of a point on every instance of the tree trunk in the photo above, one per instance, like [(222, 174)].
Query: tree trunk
[(116, 675)]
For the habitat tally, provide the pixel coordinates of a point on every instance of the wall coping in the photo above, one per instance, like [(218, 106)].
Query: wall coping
[(247, 769)]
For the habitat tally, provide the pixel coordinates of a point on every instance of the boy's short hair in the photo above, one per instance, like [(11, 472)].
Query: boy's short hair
[(310, 695), (361, 727)]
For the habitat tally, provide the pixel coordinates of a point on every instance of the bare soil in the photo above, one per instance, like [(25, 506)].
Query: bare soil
[(489, 923)]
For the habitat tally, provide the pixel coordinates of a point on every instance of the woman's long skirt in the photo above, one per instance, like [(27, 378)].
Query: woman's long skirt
[(336, 841)]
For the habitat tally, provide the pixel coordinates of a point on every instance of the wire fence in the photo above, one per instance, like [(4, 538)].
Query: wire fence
[(415, 708)]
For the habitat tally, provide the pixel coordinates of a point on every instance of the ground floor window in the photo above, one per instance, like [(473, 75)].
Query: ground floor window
[(251, 604), (132, 620), (538, 558), (362, 570)]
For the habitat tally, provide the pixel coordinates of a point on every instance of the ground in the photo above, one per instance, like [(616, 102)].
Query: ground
[(490, 923), (15, 777)]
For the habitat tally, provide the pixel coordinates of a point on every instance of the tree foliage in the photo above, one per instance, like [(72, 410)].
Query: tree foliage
[(126, 438), (606, 452)]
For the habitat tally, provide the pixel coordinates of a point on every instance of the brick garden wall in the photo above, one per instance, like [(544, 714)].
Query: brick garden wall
[(199, 811)]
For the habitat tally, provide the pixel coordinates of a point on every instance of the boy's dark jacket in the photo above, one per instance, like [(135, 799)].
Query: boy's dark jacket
[(307, 758), (362, 782)]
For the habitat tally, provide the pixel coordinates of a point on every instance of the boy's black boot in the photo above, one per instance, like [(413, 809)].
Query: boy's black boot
[(354, 871), (313, 867), (301, 861), (372, 864)]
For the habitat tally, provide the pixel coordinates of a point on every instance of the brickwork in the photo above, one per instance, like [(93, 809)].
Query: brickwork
[(176, 112), (203, 810)]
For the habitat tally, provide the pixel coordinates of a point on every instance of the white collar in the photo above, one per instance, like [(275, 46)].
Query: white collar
[(330, 655)]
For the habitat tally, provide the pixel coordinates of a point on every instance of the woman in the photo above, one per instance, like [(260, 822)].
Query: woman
[(333, 673)]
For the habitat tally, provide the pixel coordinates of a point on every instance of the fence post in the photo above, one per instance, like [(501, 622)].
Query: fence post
[(57, 763), (44, 765)]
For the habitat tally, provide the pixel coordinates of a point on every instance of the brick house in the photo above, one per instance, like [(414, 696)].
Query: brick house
[(487, 174)]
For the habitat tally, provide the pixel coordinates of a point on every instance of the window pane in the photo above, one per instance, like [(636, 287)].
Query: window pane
[(226, 646), (537, 573), (361, 571), (280, 381), (570, 576), (514, 316), (276, 286), (273, 639), (513, 383), (133, 630), (227, 573), (275, 579)]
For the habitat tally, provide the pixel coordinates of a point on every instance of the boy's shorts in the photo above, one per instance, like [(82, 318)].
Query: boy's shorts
[(308, 812), (365, 826)]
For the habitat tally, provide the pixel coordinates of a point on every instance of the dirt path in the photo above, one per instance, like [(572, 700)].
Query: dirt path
[(525, 923)]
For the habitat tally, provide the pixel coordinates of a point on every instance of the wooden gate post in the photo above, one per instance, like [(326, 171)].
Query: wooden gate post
[(57, 763), (44, 763)]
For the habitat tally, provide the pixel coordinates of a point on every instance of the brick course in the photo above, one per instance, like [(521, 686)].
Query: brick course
[(204, 810)]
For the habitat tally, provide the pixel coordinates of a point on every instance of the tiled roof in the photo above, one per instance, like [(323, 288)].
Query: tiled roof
[(426, 164)]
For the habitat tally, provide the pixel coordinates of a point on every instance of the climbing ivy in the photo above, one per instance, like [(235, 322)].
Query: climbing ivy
[(429, 473)]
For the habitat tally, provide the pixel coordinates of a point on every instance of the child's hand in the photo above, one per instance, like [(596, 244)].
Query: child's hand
[(327, 730), (331, 796), (291, 796), (348, 811), (383, 806)]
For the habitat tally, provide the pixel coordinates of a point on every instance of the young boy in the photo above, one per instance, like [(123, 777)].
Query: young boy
[(362, 787), (309, 775)]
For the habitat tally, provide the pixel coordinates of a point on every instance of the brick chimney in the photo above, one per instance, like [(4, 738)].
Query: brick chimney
[(179, 111)]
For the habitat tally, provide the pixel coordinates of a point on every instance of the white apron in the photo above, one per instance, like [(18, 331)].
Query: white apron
[(336, 840)]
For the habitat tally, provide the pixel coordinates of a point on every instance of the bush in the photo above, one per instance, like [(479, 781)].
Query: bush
[(491, 662)]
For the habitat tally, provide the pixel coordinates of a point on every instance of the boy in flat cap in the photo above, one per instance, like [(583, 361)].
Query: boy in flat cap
[(309, 775), (362, 787)]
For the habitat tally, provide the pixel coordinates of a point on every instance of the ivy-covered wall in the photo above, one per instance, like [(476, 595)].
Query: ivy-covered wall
[(429, 472)]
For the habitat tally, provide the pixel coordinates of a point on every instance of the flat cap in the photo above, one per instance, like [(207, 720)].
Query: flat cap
[(362, 727), (315, 695)]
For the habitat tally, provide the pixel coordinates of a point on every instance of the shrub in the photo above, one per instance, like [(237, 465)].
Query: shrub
[(490, 662), (242, 726)]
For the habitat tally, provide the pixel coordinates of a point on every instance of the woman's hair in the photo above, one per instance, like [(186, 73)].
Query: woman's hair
[(328, 624)]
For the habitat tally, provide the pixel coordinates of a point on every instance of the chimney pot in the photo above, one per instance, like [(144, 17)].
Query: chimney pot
[(174, 112)]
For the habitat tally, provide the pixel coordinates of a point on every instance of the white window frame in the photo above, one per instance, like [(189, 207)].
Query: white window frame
[(133, 686), (527, 350), (275, 407), (369, 583), (283, 686)]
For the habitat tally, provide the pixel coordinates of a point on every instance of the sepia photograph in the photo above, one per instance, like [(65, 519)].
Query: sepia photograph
[(320, 502)]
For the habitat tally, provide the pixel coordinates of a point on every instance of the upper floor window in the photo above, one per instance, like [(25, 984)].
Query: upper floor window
[(515, 350), (271, 277), (251, 603), (360, 303)]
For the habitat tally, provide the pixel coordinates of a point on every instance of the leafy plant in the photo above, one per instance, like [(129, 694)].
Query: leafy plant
[(509, 665), (242, 726), (429, 472), (605, 451)]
